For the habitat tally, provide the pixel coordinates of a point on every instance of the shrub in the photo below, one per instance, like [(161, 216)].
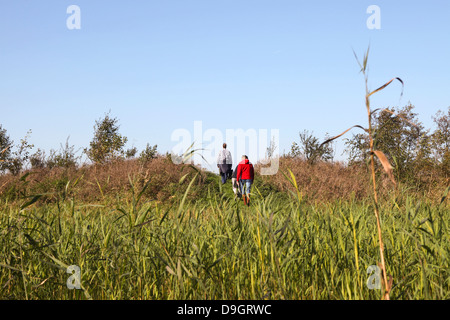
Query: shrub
[(108, 143)]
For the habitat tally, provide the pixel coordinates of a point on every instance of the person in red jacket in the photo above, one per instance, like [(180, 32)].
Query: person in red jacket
[(245, 175)]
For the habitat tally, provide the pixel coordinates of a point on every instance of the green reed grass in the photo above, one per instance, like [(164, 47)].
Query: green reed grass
[(218, 248)]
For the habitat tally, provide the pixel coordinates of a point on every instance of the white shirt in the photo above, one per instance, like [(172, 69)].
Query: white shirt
[(224, 155)]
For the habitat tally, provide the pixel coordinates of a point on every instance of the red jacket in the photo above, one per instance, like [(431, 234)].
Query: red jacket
[(245, 170)]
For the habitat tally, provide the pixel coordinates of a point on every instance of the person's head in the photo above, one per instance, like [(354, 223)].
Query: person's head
[(224, 145), (244, 157)]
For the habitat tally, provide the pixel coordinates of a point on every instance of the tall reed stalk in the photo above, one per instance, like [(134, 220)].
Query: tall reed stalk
[(384, 161)]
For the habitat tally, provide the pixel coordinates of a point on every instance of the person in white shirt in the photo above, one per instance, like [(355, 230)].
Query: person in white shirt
[(224, 163)]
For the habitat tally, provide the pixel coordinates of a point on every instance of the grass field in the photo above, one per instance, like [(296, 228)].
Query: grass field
[(280, 247)]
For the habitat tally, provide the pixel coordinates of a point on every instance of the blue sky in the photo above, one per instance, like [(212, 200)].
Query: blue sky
[(249, 64)]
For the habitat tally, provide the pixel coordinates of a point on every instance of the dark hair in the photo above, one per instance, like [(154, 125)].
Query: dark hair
[(224, 145), (245, 156)]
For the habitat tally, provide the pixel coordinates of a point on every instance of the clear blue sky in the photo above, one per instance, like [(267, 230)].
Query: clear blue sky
[(250, 64)]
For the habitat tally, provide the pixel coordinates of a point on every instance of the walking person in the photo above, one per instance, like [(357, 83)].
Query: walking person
[(245, 175), (224, 163)]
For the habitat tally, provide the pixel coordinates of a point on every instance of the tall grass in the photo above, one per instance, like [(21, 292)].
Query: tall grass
[(220, 249), (387, 284)]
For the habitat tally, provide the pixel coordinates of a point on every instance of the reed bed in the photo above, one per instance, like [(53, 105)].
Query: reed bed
[(217, 248)]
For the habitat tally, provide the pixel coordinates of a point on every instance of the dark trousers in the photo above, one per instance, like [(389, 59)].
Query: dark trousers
[(224, 169)]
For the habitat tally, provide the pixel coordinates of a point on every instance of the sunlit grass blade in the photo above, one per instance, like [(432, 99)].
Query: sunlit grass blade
[(385, 85), (339, 135)]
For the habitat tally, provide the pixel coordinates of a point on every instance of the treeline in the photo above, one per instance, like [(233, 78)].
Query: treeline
[(111, 172), (107, 146), (418, 155)]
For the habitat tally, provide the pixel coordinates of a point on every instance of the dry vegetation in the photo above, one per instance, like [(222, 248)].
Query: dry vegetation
[(94, 183), (327, 181), (318, 182), (323, 181)]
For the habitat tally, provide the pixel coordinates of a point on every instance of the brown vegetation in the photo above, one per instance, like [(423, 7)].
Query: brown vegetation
[(322, 181), (318, 182), (94, 183)]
